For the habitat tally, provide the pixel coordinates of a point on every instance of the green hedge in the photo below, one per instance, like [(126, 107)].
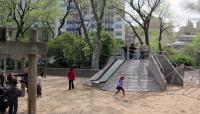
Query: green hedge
[(180, 59)]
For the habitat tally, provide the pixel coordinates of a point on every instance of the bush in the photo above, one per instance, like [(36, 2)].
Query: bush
[(180, 59), (69, 50)]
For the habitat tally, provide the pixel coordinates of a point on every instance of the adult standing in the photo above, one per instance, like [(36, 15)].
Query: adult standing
[(2, 80), (13, 94), (71, 78), (142, 51), (3, 100)]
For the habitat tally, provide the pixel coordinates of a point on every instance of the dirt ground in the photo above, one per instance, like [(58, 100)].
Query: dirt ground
[(56, 99)]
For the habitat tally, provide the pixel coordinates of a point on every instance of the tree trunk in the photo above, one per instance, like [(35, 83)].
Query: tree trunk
[(59, 29), (95, 56), (19, 31), (96, 48), (17, 34), (146, 32), (159, 42), (82, 22)]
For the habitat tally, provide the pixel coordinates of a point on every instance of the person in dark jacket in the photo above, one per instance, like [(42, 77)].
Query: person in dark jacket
[(1, 79), (41, 72), (13, 94), (3, 100), (71, 78), (142, 51)]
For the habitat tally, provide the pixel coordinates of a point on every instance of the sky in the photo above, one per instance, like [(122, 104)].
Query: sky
[(182, 13)]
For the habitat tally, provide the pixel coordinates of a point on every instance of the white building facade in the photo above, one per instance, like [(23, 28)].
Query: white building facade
[(113, 23)]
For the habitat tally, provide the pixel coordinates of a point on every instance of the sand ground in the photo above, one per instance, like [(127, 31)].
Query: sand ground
[(57, 99)]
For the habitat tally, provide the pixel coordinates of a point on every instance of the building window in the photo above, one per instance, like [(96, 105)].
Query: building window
[(72, 22), (118, 33), (118, 26), (108, 20), (118, 19), (109, 29)]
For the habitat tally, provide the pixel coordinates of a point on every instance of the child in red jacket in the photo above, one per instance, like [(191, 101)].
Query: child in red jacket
[(71, 78)]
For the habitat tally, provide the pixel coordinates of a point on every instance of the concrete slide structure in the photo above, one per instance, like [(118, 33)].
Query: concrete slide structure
[(137, 77), (146, 75), (172, 76)]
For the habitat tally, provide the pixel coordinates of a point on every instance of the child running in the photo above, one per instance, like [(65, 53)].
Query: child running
[(120, 86)]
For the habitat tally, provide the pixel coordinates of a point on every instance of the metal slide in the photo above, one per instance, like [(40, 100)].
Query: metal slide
[(97, 76), (109, 72), (102, 71)]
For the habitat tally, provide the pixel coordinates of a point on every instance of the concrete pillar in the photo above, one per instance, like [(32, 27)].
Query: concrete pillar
[(45, 66), (32, 88), (32, 76)]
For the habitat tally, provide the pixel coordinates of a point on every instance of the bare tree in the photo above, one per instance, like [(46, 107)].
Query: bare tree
[(82, 22), (69, 9), (164, 26), (21, 12), (193, 5), (98, 9), (142, 11)]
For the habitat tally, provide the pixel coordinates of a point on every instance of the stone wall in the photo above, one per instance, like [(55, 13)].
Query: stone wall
[(63, 72), (78, 72)]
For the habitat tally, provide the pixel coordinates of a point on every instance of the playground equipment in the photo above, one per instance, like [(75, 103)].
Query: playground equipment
[(32, 49), (151, 74)]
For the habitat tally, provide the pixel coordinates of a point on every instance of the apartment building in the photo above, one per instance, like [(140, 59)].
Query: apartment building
[(113, 23)]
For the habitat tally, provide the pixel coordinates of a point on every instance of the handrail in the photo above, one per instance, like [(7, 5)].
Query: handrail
[(191, 68), (160, 79), (159, 63), (165, 52), (107, 59), (140, 54), (173, 61)]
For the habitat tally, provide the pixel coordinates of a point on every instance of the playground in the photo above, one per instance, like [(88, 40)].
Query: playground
[(57, 99), (53, 64)]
